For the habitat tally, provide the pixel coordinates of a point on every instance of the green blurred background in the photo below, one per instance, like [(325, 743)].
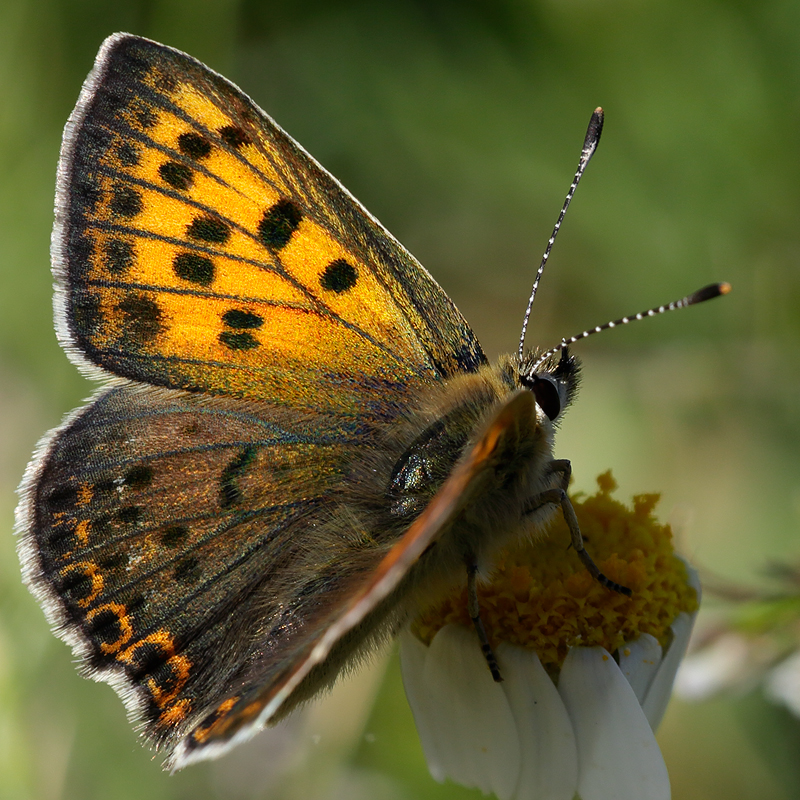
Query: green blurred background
[(459, 125)]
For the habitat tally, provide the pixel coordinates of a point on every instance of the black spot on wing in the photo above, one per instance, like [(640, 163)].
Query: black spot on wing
[(236, 318), (142, 319), (119, 256), (279, 224), (174, 536), (187, 570), (208, 229), (107, 485), (129, 515), (76, 585), (113, 560), (178, 176), (126, 202), (339, 276), (194, 268), (242, 340), (194, 145), (105, 627), (234, 136), (139, 477), (230, 493), (62, 498)]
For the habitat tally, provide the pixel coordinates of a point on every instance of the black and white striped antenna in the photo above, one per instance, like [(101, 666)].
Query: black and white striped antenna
[(700, 296), (589, 146)]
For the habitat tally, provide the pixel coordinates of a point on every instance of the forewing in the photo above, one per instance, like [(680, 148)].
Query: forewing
[(198, 246)]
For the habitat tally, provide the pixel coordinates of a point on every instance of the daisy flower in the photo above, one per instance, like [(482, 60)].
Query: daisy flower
[(587, 672)]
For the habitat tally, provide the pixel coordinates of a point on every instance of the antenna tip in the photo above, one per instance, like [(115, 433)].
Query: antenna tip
[(593, 133), (709, 292)]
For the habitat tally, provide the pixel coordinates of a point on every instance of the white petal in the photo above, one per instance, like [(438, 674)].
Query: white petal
[(639, 662), (783, 683), (469, 721), (412, 666), (660, 691), (618, 757), (547, 742)]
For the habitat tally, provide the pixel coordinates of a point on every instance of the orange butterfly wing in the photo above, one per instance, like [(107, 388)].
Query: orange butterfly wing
[(198, 246), (177, 529)]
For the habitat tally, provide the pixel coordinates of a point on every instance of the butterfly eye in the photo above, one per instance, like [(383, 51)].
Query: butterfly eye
[(548, 396)]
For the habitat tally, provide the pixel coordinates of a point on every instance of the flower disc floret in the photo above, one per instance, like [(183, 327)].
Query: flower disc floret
[(540, 597)]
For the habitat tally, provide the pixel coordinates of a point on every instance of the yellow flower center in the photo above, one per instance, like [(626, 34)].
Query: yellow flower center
[(540, 597)]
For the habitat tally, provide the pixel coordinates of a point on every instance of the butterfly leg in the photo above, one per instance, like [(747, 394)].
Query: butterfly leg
[(475, 615), (559, 497), (564, 468)]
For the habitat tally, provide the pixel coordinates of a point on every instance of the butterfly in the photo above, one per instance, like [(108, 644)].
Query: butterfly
[(299, 440)]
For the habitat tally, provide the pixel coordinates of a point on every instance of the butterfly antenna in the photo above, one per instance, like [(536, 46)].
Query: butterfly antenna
[(700, 296), (589, 146)]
